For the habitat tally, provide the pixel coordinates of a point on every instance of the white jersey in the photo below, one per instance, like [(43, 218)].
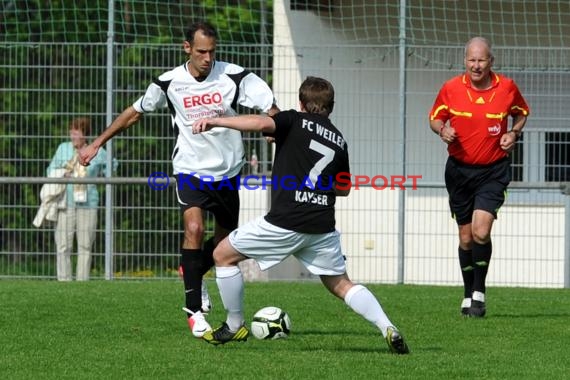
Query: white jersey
[(219, 152)]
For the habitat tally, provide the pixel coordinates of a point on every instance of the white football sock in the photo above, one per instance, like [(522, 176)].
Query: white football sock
[(230, 284), (362, 301)]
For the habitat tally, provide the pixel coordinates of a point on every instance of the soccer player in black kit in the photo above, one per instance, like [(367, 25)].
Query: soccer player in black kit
[(310, 152)]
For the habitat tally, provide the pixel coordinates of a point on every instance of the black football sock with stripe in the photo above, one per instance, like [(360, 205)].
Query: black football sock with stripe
[(481, 260), (191, 262), (466, 264)]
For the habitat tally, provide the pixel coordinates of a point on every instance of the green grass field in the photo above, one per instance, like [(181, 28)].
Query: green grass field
[(136, 330)]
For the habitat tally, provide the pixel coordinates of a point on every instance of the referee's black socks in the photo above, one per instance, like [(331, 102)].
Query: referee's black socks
[(481, 259), (466, 264)]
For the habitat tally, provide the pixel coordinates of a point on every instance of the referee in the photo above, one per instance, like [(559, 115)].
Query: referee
[(470, 114)]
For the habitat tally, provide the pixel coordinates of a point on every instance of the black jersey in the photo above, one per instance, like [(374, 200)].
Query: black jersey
[(310, 153)]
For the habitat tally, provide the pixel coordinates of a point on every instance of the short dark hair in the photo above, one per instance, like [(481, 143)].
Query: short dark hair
[(317, 96), (205, 27)]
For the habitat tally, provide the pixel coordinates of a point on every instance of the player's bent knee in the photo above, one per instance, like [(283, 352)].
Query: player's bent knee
[(337, 285), (226, 255)]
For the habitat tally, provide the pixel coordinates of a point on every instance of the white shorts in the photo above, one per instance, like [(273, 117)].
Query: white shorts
[(268, 245)]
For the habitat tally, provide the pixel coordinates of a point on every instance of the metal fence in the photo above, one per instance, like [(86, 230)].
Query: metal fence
[(389, 236), (535, 253)]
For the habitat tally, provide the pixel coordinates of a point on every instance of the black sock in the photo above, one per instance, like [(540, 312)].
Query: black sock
[(481, 260), (466, 264), (207, 256), (191, 260)]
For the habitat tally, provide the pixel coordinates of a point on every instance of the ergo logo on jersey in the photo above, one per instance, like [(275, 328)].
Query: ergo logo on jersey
[(204, 99)]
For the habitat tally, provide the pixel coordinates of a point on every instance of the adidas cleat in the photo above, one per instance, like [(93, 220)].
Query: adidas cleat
[(223, 335), (396, 341), (477, 309)]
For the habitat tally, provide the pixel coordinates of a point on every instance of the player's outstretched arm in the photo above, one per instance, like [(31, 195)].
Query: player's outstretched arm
[(127, 118), (273, 110), (244, 123)]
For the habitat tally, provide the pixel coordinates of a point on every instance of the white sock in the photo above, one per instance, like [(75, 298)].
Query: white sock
[(362, 301), (230, 284), (478, 296)]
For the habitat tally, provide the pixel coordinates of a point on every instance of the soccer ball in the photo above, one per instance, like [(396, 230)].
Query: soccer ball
[(270, 323)]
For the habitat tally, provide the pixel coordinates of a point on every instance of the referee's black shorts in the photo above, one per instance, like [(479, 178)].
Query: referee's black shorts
[(476, 187), (221, 198)]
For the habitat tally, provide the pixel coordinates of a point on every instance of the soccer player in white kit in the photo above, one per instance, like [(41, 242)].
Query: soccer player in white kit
[(310, 155), (201, 87)]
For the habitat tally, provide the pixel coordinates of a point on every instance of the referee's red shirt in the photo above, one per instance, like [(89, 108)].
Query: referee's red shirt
[(479, 117)]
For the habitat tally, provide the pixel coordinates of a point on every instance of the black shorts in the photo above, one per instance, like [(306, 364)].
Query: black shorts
[(220, 198), (476, 187)]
